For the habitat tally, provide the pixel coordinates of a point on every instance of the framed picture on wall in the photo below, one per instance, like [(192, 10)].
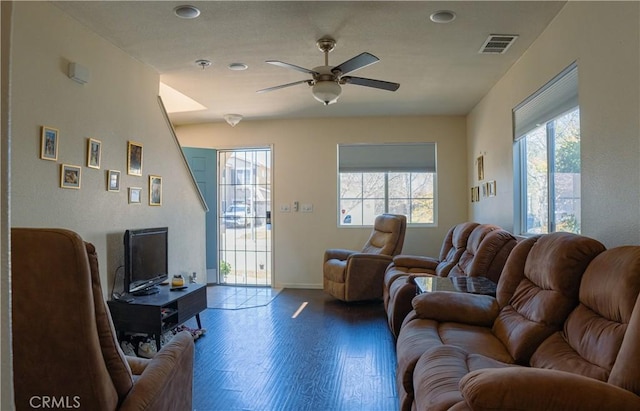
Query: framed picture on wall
[(94, 152), (480, 162), (49, 143), (135, 195), (70, 176), (134, 159), (155, 190), (113, 180)]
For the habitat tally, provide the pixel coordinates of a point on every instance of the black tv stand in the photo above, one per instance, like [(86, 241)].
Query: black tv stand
[(146, 291), (157, 313)]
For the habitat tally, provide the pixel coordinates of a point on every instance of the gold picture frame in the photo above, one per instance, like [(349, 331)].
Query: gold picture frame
[(480, 161), (70, 176), (491, 188), (135, 195), (155, 190), (134, 158), (49, 143), (475, 194), (94, 153), (113, 180)]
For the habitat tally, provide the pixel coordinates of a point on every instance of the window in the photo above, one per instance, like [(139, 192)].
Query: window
[(547, 158), (386, 178)]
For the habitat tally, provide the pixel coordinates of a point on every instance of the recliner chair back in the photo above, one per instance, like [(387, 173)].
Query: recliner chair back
[(486, 253), (387, 236), (538, 289), (601, 336)]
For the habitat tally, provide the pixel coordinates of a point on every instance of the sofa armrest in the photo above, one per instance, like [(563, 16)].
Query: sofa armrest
[(338, 254), (166, 382), (363, 262), (447, 306), (429, 264), (525, 388)]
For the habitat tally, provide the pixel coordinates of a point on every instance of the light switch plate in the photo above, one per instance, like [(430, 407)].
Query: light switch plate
[(285, 208), (307, 208)]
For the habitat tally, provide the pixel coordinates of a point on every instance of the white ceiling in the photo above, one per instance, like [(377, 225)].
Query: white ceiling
[(437, 65)]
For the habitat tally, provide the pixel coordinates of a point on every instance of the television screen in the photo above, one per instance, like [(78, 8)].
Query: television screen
[(145, 259)]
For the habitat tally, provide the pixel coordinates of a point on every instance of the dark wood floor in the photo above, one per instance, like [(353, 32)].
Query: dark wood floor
[(333, 356)]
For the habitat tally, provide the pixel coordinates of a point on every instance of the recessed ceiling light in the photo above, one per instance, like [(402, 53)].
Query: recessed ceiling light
[(187, 12), (238, 66), (443, 16)]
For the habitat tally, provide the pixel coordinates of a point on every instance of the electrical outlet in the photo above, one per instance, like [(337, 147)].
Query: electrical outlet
[(285, 208), (307, 208)]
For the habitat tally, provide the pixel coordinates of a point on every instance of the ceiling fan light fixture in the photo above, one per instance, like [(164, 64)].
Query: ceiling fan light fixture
[(233, 119), (186, 11), (326, 91)]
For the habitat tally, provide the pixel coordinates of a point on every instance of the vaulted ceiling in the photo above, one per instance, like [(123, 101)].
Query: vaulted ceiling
[(438, 66)]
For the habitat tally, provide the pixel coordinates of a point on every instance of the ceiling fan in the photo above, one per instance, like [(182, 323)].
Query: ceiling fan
[(326, 80)]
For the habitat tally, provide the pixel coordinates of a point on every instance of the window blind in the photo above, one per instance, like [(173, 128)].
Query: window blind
[(554, 98), (401, 157)]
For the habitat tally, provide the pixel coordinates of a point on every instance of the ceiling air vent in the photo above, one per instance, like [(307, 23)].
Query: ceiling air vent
[(497, 43)]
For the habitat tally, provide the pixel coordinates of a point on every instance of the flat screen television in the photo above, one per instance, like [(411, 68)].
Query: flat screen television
[(145, 260)]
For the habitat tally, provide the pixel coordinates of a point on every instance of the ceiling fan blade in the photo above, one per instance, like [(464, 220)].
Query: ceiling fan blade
[(367, 82), (291, 66), (361, 60), (264, 90)]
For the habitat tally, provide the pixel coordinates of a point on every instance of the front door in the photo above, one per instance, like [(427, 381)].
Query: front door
[(244, 217)]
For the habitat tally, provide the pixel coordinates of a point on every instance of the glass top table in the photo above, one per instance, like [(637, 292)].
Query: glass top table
[(473, 285)]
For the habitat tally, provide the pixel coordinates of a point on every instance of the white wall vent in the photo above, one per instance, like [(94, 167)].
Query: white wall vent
[(497, 43)]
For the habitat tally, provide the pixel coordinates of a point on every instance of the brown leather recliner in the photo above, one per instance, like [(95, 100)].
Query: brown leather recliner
[(537, 290), (64, 342), (357, 275), (483, 255), (591, 364), (452, 248)]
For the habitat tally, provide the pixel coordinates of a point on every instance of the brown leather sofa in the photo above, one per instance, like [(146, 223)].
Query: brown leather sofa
[(591, 363), (357, 275), (452, 248), (537, 290), (65, 349), (484, 253)]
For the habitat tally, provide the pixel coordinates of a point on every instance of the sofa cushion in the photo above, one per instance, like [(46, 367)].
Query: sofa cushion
[(438, 373), (593, 334), (546, 293)]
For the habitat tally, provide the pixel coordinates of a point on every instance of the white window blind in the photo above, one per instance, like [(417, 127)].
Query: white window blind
[(552, 100), (402, 157)]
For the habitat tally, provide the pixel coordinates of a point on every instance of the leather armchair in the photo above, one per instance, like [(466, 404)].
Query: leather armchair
[(357, 275), (64, 342)]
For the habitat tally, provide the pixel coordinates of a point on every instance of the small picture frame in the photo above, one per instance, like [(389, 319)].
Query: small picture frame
[(135, 195), (155, 190), (134, 158), (480, 161), (70, 176), (475, 194), (113, 180), (94, 152), (491, 188), (49, 143)]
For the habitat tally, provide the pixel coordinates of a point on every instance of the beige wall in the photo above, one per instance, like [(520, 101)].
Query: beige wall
[(603, 37), (6, 369), (118, 104), (304, 170)]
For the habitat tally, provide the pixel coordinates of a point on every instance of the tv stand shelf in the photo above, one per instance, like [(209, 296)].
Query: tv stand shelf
[(158, 313)]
